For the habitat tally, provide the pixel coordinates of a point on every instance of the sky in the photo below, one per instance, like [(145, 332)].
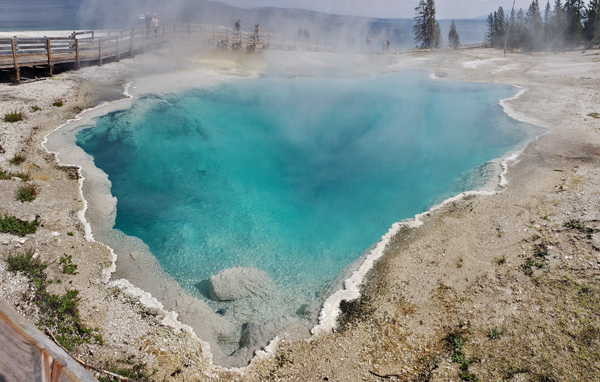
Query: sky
[(446, 9)]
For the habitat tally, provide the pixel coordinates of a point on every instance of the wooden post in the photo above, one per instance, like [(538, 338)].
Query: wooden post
[(14, 53), (49, 48), (100, 51), (131, 43), (77, 53), (118, 57), (92, 34)]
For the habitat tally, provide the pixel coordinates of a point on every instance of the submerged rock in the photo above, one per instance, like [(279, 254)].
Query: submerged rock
[(241, 282)]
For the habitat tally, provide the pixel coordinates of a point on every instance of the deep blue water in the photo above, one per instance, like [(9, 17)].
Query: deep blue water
[(296, 177)]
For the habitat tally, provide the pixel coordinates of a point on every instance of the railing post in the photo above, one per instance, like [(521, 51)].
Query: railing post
[(14, 53), (100, 51), (118, 57), (49, 48), (77, 53)]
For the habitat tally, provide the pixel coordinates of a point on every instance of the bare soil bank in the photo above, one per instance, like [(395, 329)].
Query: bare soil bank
[(489, 287)]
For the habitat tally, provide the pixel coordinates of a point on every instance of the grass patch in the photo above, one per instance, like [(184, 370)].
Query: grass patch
[(134, 370), (69, 267), (27, 193), (58, 103), (6, 175), (493, 333), (594, 115), (17, 159), (14, 116), (58, 313), (34, 108), (457, 340), (12, 225), (501, 260), (580, 226), (70, 233)]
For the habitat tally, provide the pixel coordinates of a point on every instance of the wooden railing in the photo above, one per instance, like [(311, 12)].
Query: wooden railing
[(484, 44), (99, 45)]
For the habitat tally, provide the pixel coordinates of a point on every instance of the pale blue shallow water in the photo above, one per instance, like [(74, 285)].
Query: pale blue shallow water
[(296, 177)]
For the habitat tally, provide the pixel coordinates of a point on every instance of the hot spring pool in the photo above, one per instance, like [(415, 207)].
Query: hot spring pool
[(293, 176)]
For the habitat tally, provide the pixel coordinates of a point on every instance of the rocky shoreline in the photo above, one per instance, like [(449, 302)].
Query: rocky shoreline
[(427, 279)]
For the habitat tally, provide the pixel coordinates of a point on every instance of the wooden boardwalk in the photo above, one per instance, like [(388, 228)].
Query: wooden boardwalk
[(96, 46)]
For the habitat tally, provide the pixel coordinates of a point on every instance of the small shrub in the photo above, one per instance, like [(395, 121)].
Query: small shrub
[(24, 262), (68, 266), (501, 260), (34, 108), (594, 115), (70, 233), (27, 193), (17, 159), (14, 116), (58, 103), (527, 266), (535, 237), (5, 175), (12, 225), (492, 333)]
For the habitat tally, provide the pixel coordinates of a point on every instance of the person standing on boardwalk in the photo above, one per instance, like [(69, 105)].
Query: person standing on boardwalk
[(237, 25), (388, 45), (148, 21), (256, 29)]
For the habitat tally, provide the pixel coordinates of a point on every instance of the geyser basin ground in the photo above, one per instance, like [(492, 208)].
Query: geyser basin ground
[(295, 177)]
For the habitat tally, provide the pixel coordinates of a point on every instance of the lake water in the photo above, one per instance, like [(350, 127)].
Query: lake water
[(293, 176)]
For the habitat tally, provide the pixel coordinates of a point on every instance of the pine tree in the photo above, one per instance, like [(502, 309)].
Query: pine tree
[(547, 17), (591, 25), (426, 29), (574, 10), (500, 27), (557, 25), (521, 29), (490, 29), (513, 37), (535, 27), (453, 39), (420, 27)]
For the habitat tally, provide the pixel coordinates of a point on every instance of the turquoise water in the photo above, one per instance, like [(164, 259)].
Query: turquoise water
[(296, 177)]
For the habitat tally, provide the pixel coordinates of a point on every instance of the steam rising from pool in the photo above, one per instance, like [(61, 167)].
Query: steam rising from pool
[(296, 177)]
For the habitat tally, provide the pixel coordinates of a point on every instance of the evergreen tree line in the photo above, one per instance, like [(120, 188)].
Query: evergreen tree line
[(427, 30), (564, 27)]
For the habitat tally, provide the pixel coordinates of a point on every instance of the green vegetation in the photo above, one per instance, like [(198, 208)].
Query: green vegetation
[(580, 226), (134, 370), (58, 103), (68, 266), (501, 260), (594, 115), (493, 333), (70, 233), (27, 193), (17, 159), (12, 225), (459, 262), (57, 313), (34, 108), (5, 175), (14, 116), (457, 341)]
